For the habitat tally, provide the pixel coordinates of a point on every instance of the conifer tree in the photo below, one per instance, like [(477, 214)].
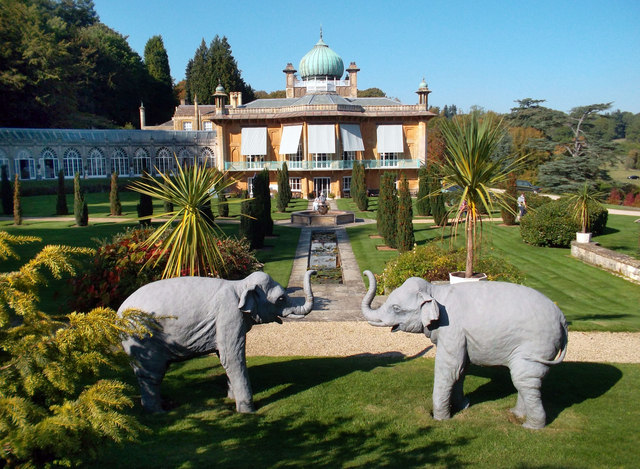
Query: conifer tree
[(17, 203), (58, 407), (387, 215), (249, 227), (223, 205), (160, 89), (115, 206), (405, 235), (359, 187), (423, 205), (80, 209), (509, 216), (61, 200), (145, 206), (284, 189), (262, 198), (438, 210), (5, 192)]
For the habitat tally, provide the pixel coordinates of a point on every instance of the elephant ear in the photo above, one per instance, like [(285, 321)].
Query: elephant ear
[(430, 313), (248, 302)]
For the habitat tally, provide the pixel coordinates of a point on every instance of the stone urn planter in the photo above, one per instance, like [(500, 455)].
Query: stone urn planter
[(458, 277), (583, 237)]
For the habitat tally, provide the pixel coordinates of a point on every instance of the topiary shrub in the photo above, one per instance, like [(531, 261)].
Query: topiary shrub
[(432, 262), (553, 224), (6, 193), (121, 266)]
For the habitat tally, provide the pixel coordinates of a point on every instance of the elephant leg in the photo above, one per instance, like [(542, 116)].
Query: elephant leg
[(234, 362), (149, 365), (449, 368), (520, 409), (527, 379), (230, 394), (458, 399)]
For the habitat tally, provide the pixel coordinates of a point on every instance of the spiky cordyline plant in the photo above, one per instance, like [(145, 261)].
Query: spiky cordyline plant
[(472, 164), (192, 240), (579, 204)]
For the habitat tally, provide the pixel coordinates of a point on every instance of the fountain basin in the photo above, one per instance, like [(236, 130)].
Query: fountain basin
[(313, 218)]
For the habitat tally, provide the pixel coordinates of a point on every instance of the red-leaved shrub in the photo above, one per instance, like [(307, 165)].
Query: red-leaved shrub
[(615, 198), (121, 266), (629, 199)]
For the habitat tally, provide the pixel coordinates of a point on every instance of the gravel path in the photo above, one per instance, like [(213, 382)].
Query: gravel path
[(341, 339)]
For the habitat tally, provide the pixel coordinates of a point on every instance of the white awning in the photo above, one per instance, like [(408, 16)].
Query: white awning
[(351, 137), (322, 138), (290, 139), (254, 141), (390, 139)]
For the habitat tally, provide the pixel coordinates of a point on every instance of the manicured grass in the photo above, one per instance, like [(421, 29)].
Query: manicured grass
[(590, 298), (373, 411), (621, 235), (350, 205)]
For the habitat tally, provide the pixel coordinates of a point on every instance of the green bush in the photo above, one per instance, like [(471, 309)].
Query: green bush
[(125, 263), (553, 224), (434, 263)]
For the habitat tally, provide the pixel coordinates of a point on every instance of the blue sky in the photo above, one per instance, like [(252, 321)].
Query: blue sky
[(471, 53)]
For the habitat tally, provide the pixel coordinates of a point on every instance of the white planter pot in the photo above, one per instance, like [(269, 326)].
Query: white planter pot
[(583, 237), (458, 277)]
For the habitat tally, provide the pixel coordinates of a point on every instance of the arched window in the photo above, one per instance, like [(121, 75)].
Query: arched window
[(72, 162), (96, 163), (185, 157), (50, 163), (164, 160), (4, 161), (207, 158), (141, 162), (25, 166), (120, 162)]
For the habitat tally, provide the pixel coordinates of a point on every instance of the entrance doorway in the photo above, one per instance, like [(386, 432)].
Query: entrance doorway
[(322, 185)]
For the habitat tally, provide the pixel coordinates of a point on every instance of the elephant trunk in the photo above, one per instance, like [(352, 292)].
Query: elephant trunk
[(371, 315), (297, 312)]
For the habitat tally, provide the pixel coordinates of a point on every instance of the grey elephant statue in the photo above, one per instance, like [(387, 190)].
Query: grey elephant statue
[(198, 315), (485, 323)]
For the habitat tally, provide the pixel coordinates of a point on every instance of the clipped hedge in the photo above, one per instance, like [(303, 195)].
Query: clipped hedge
[(553, 224), (432, 262)]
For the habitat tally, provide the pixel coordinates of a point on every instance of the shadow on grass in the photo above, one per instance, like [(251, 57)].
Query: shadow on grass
[(565, 385)]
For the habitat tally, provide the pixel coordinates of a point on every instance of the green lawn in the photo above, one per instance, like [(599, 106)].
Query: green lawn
[(590, 298), (373, 411)]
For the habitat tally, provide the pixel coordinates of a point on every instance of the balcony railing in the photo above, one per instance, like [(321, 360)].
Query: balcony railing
[(319, 165)]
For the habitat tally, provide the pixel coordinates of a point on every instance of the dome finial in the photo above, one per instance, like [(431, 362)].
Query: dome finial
[(321, 32)]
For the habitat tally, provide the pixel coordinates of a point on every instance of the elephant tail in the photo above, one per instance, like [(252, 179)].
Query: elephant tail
[(563, 347)]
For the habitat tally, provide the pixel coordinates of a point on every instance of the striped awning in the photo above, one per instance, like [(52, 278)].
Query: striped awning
[(322, 138), (390, 138), (254, 141), (290, 139), (351, 137)]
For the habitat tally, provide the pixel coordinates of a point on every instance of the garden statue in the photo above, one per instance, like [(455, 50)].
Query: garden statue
[(199, 315), (485, 323)]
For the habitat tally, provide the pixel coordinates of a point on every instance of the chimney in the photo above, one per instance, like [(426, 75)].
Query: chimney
[(143, 120), (291, 80), (353, 80)]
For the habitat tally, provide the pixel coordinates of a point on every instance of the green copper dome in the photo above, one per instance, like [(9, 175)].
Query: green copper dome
[(321, 62)]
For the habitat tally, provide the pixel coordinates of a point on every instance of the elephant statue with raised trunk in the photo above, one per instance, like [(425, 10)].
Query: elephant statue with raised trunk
[(199, 315), (484, 323)]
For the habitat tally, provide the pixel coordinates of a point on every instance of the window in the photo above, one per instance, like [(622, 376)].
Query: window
[(96, 163), (207, 125), (296, 159), (141, 161), (321, 160), (348, 157), (346, 186), (295, 185), (50, 163), (389, 159), (186, 158), (207, 158), (164, 160), (25, 166), (120, 162), (72, 163), (255, 161), (187, 125)]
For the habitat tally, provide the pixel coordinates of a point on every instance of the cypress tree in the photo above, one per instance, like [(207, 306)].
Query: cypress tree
[(423, 204), (6, 192), (249, 224), (145, 206), (263, 202), (359, 187), (115, 206), (80, 208), (509, 217), (17, 206), (438, 210), (405, 237), (223, 205), (61, 202), (284, 190), (387, 215)]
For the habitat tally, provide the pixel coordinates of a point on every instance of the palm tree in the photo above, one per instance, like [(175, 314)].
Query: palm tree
[(192, 241), (472, 164), (579, 204)]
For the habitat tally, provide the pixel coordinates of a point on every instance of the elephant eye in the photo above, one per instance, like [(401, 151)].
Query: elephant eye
[(281, 299), (396, 308)]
